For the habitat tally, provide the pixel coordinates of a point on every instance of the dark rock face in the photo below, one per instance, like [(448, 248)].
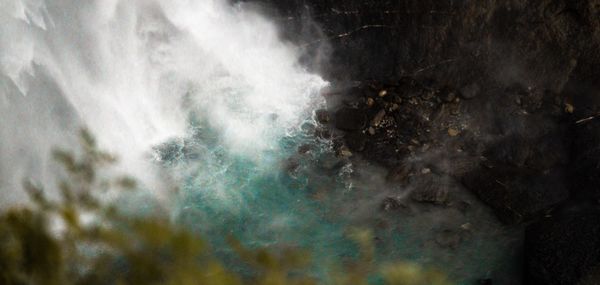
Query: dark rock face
[(356, 141), (501, 95), (563, 250), (510, 148), (586, 160), (349, 119), (537, 43), (470, 91), (517, 195)]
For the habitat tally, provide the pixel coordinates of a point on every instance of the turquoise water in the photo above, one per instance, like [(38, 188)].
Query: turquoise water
[(282, 198), (262, 200)]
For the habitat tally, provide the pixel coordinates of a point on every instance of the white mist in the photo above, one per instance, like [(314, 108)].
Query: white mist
[(131, 71)]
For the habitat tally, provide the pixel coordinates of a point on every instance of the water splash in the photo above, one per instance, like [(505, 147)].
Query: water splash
[(132, 71)]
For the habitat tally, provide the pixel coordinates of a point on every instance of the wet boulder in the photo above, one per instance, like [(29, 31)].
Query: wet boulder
[(304, 149), (322, 116)]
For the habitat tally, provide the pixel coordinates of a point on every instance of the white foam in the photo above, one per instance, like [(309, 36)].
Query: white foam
[(132, 71)]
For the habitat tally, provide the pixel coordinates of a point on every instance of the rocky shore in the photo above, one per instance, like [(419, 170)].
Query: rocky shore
[(501, 96)]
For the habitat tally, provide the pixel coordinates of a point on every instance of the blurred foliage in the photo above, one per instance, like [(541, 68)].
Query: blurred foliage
[(79, 239)]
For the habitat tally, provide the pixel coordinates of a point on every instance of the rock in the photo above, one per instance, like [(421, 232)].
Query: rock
[(430, 194), (456, 164), (569, 108), (429, 189), (585, 160), (518, 101), (291, 165), (349, 119), (381, 150), (330, 164), (517, 194), (371, 131), (466, 226), (377, 119), (447, 95), (512, 150), (563, 249), (541, 153), (370, 102), (344, 151), (382, 93), (304, 149), (485, 281), (463, 206), (470, 91), (428, 95), (390, 204), (323, 133), (356, 141), (453, 132), (322, 116), (170, 151), (398, 174)]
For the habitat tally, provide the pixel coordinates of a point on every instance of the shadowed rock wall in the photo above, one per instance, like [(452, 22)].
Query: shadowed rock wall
[(529, 76)]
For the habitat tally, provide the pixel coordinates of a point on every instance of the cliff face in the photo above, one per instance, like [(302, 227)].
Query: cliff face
[(551, 46), (540, 43), (514, 82)]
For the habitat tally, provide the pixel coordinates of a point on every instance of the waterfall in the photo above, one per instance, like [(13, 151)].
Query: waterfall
[(132, 72)]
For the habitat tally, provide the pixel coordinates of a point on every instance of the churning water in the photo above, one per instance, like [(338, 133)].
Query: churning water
[(207, 92)]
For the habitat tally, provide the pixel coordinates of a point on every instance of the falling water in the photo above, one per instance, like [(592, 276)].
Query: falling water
[(133, 71), (207, 92)]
